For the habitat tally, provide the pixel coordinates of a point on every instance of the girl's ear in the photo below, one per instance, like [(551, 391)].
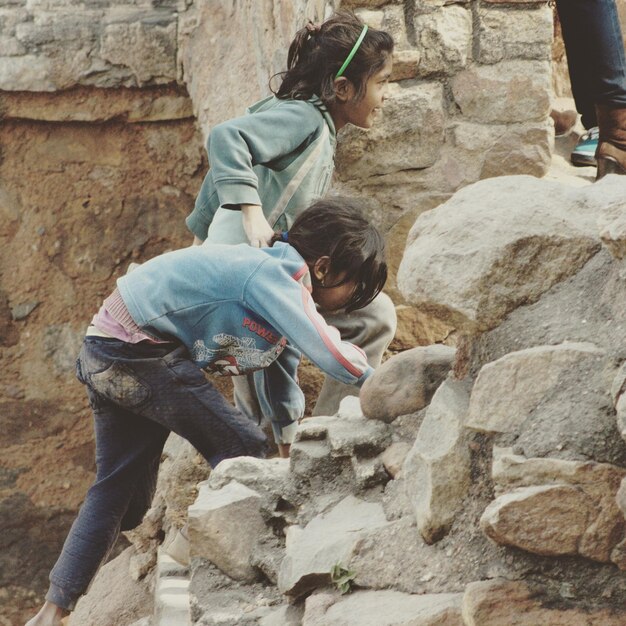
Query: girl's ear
[(344, 89), (321, 268)]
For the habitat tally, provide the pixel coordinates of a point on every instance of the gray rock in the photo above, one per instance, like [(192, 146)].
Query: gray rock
[(225, 525), (23, 310), (262, 475), (509, 389), (612, 219), (345, 437), (114, 597), (329, 539), (383, 608), (437, 469), (61, 344), (406, 382)]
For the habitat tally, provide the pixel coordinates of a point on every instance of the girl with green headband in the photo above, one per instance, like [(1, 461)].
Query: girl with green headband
[(269, 165)]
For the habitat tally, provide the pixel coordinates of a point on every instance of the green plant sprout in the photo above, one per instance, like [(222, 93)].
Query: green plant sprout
[(342, 578)]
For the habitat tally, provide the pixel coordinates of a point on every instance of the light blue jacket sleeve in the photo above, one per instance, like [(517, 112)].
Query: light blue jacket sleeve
[(261, 138), (284, 302)]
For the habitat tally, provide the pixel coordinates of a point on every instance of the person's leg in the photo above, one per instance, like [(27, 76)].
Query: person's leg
[(595, 54), (127, 445), (177, 396), (371, 328), (189, 405), (580, 54)]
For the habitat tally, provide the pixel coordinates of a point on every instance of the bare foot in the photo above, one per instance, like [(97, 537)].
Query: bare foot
[(49, 615)]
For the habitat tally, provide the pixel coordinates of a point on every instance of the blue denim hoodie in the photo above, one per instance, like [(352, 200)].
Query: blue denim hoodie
[(280, 156), (235, 308)]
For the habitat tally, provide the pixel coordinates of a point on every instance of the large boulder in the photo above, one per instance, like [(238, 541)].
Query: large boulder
[(498, 244)]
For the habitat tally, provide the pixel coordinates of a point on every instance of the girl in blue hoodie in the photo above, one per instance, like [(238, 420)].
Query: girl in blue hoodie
[(270, 164), (227, 309)]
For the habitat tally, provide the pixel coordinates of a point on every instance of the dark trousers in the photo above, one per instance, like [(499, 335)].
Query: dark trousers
[(139, 393), (595, 55)]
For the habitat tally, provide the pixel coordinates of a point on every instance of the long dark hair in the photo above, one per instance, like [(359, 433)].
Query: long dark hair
[(317, 53), (336, 228)]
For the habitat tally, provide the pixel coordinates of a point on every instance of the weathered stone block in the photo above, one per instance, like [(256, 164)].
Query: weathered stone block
[(506, 34), (545, 519), (444, 40), (147, 47), (597, 484), (507, 92)]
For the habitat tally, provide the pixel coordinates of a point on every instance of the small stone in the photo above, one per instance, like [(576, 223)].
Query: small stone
[(23, 310)]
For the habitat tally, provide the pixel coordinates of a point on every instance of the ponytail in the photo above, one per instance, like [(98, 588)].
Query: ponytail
[(317, 52)]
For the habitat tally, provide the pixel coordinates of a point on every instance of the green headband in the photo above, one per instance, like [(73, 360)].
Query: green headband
[(342, 69)]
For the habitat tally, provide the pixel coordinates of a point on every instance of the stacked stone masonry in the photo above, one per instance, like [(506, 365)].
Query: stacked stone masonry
[(471, 80)]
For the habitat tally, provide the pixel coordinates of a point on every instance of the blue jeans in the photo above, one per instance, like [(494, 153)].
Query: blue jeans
[(595, 55), (139, 393)]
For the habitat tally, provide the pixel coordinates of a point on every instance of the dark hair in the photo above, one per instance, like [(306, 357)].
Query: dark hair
[(337, 229), (317, 53)]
